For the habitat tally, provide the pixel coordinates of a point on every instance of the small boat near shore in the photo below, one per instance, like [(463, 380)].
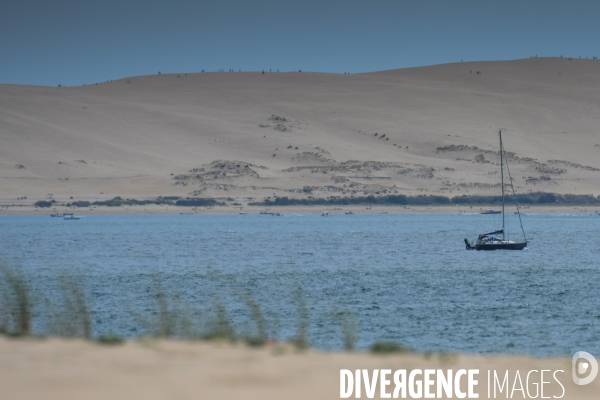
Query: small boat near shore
[(349, 213), (59, 215), (487, 212), (70, 217)]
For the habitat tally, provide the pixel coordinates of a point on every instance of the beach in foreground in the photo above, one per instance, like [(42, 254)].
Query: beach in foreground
[(158, 369)]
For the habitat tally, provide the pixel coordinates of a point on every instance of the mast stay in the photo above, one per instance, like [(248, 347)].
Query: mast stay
[(514, 197)]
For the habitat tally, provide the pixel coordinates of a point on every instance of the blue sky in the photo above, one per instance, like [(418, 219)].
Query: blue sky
[(68, 42)]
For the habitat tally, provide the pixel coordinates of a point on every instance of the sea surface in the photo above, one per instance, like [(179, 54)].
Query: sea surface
[(404, 278)]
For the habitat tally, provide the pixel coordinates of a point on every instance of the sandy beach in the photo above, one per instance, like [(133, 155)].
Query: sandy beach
[(158, 369)]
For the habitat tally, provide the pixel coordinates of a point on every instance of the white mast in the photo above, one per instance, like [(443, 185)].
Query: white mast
[(502, 180)]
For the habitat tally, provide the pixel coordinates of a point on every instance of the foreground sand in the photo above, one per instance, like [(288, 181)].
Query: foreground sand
[(150, 369)]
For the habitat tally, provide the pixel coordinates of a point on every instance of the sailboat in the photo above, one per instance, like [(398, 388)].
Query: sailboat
[(497, 240)]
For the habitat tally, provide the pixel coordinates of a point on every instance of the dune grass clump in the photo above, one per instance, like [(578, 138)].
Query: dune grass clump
[(221, 327), (349, 330), (166, 319), (301, 340), (66, 313), (15, 305), (170, 318), (387, 347), (110, 339), (260, 338), (73, 318)]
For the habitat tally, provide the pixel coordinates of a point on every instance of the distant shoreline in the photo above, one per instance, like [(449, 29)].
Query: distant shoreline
[(540, 202), (283, 210)]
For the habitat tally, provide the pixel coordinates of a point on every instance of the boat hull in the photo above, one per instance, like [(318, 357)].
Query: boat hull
[(501, 246), (495, 246)]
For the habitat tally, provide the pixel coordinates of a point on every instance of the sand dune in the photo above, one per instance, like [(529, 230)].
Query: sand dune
[(428, 130)]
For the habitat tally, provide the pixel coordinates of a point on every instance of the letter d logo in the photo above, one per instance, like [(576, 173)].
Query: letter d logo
[(579, 369)]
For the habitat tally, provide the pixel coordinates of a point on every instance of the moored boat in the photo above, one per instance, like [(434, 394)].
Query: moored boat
[(497, 240)]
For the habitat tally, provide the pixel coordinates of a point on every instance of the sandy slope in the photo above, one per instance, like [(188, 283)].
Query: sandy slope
[(60, 369), (128, 136)]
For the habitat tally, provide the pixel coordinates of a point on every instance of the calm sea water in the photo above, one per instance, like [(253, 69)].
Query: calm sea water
[(406, 278)]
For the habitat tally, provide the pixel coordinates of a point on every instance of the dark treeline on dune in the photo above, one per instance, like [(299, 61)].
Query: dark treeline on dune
[(118, 202), (539, 198)]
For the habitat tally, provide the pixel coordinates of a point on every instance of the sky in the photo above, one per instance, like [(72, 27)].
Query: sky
[(67, 42)]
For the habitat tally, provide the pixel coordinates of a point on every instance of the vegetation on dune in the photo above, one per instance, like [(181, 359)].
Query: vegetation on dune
[(220, 326), (301, 340), (198, 202), (119, 202), (345, 201), (386, 347), (539, 198), (15, 306), (349, 329), (80, 203), (534, 198), (260, 337), (44, 203), (110, 339)]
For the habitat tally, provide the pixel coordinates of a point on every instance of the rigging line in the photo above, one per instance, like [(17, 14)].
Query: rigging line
[(497, 181), (512, 186)]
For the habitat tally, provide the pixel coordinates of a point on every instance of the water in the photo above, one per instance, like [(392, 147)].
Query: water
[(405, 278)]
